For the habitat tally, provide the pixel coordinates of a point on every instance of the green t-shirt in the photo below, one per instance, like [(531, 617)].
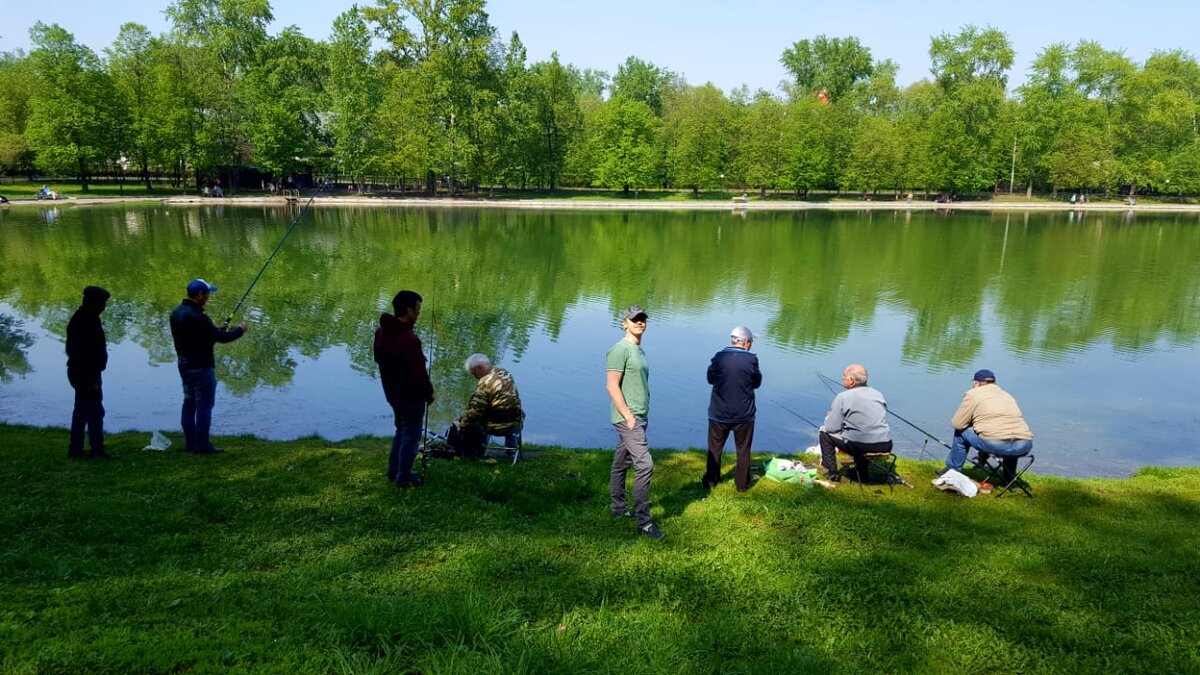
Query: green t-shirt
[(629, 360)]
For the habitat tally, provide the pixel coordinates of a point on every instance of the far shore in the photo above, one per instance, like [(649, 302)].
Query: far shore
[(617, 204)]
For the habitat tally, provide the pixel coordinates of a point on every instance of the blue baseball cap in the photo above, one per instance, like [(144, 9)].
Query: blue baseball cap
[(984, 375), (198, 286)]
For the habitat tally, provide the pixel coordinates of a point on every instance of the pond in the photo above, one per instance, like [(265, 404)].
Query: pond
[(1092, 321)]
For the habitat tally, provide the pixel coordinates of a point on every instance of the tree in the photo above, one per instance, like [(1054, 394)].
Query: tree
[(355, 93), (70, 122), (556, 114), (639, 80), (218, 42), (131, 66), (16, 89), (624, 138), (832, 65), (444, 85), (759, 143), (283, 96), (972, 55), (696, 124)]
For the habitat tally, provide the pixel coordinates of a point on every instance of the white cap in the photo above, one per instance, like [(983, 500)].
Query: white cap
[(741, 333)]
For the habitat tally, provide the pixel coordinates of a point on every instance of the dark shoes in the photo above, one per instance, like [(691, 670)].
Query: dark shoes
[(651, 531), (942, 471), (102, 454), (708, 485), (208, 451), (413, 480)]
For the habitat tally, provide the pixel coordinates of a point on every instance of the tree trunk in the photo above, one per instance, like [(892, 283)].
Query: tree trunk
[(695, 191), (626, 191)]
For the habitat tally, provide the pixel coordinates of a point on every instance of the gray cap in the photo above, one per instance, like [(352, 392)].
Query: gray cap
[(633, 311), (741, 333)]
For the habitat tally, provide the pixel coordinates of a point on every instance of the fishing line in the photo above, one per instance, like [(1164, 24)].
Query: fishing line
[(425, 429)]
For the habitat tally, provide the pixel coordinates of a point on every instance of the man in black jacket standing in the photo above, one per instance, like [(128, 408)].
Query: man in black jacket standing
[(195, 334), (734, 375), (87, 357)]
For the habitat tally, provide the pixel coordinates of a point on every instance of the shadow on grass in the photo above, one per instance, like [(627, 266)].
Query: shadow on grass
[(299, 556)]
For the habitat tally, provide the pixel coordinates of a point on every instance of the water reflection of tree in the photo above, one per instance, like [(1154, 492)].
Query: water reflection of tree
[(13, 343), (492, 279)]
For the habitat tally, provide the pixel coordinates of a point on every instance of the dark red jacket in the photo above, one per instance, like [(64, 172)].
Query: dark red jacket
[(401, 362)]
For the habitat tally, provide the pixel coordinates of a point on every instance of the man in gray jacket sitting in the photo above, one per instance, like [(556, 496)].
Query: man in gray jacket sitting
[(856, 424)]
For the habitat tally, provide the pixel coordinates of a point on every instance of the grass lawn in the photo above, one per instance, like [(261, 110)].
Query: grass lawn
[(132, 188), (298, 556)]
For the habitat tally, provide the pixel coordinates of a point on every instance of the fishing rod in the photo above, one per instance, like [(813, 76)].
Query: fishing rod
[(810, 422), (928, 436), (321, 185), (425, 428)]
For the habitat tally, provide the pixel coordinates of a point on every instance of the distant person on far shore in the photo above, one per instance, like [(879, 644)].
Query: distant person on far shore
[(87, 357), (217, 191)]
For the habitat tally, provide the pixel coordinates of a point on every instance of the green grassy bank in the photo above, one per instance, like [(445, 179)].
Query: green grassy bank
[(299, 557)]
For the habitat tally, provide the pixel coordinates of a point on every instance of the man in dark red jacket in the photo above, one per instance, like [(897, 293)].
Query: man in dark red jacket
[(405, 383)]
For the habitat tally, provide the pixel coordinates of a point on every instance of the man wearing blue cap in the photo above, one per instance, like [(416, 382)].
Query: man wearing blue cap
[(990, 421), (195, 334), (87, 357)]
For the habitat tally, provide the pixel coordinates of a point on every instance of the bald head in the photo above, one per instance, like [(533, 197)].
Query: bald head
[(855, 375)]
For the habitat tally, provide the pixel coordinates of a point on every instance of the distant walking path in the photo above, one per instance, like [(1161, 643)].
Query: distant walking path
[(628, 204)]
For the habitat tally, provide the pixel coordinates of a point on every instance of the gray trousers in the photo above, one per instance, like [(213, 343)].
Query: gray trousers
[(632, 450)]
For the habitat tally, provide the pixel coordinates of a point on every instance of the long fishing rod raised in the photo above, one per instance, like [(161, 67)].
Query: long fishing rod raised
[(425, 426), (929, 437), (321, 185), (810, 422)]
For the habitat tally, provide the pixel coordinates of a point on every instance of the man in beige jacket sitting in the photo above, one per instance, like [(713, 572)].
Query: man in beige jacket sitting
[(989, 421)]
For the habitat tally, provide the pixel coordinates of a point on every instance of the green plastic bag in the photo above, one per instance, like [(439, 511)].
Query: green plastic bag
[(783, 470)]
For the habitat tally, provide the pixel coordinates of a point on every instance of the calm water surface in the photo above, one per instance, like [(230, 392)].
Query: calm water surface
[(1092, 322)]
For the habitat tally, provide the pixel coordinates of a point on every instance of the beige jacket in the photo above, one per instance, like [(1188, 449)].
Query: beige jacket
[(992, 413)]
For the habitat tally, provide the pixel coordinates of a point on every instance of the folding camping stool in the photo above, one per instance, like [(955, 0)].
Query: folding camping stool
[(993, 466), (884, 461), (509, 451)]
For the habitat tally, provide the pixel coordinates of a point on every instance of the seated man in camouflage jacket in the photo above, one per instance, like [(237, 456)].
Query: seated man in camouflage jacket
[(494, 410)]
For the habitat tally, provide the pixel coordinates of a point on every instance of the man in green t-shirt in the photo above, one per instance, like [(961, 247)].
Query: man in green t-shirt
[(628, 384)]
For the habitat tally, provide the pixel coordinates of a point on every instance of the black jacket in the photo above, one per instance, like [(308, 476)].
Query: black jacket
[(195, 334), (87, 349), (734, 375)]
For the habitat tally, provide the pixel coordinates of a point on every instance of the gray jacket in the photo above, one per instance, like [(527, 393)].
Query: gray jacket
[(859, 414)]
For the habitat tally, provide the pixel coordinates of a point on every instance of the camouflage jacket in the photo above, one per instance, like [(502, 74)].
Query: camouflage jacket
[(495, 404)]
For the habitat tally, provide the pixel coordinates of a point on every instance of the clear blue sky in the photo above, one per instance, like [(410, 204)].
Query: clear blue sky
[(726, 42)]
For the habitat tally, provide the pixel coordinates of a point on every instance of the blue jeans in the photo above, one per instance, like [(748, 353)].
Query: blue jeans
[(199, 396), (409, 419), (967, 438)]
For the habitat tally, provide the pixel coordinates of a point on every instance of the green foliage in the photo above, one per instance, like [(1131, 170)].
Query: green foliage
[(71, 111), (623, 138), (299, 557), (832, 65), (439, 98), (639, 80)]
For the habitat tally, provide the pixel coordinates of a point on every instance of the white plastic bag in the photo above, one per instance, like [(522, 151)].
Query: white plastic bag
[(158, 442)]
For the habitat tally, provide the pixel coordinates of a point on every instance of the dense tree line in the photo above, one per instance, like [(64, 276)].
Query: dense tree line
[(429, 93)]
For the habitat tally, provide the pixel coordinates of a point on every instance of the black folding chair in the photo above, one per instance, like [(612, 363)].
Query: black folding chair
[(993, 466), (884, 462)]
